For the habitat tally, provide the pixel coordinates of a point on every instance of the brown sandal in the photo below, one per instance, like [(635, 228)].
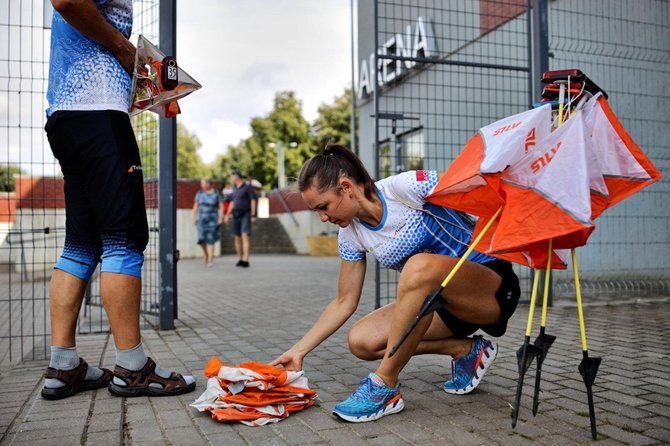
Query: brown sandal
[(138, 382), (75, 381)]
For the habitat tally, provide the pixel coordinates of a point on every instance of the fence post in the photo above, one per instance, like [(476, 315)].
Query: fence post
[(374, 73), (540, 44), (167, 174), (540, 64)]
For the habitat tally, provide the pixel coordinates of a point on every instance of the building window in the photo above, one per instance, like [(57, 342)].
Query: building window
[(414, 150), (385, 160)]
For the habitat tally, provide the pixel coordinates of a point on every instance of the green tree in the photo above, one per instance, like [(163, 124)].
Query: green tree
[(333, 125), (189, 164), (257, 155), (146, 133), (7, 172)]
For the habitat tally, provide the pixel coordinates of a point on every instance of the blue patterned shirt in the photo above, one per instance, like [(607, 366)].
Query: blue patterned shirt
[(84, 75), (409, 225)]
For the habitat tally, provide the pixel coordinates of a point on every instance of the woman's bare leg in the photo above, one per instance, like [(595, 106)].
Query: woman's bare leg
[(204, 250), (369, 336), (470, 296)]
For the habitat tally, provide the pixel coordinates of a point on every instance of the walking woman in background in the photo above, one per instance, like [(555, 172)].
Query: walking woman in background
[(208, 216)]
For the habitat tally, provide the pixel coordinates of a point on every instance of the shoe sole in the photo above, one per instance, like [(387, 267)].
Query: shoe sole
[(58, 393), (147, 391), (389, 409), (486, 362)]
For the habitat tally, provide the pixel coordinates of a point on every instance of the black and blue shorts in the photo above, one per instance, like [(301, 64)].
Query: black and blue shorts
[(104, 190), (507, 297)]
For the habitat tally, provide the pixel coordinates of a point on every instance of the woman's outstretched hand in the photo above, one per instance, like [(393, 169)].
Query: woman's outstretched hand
[(289, 360)]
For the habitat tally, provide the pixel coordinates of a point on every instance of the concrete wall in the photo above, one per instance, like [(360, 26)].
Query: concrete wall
[(308, 224)]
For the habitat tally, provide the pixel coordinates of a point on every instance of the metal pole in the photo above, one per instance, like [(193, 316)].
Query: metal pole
[(540, 64), (281, 176), (540, 38), (374, 72), (529, 46), (352, 119), (167, 164)]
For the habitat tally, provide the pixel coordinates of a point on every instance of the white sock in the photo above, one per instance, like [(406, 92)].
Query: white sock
[(135, 359), (67, 358)]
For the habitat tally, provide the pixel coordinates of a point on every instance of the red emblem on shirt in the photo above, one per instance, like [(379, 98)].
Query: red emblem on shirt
[(421, 175)]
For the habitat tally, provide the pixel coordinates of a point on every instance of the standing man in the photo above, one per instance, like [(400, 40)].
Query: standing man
[(89, 131), (243, 208)]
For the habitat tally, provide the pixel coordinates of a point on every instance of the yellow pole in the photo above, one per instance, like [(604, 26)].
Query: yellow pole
[(533, 297), (578, 292), (471, 248), (561, 98), (547, 276)]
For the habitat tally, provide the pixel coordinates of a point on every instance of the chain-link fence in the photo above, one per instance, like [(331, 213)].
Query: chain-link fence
[(624, 47), (32, 206), (446, 68)]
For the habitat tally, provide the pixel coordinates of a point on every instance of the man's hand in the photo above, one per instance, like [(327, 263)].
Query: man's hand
[(125, 54)]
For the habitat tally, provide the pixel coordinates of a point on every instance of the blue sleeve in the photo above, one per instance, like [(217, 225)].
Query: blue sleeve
[(348, 253)]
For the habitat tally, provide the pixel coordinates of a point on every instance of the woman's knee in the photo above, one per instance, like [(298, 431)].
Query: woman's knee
[(360, 344)]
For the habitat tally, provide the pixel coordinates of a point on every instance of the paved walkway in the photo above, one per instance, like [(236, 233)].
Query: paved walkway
[(257, 313)]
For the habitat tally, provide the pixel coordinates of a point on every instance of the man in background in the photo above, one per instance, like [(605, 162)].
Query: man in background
[(243, 208)]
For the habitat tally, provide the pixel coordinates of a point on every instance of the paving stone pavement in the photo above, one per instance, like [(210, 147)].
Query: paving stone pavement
[(257, 313)]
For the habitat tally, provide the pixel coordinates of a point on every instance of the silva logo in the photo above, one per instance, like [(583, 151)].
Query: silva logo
[(545, 159), (507, 128), (530, 140)]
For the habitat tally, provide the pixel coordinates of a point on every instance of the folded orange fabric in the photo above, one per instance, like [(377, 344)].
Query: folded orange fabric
[(253, 393)]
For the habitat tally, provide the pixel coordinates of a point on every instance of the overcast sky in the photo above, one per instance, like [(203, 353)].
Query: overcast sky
[(242, 52)]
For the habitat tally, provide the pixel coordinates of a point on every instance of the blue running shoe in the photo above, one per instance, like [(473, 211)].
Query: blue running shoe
[(371, 401), (469, 370)]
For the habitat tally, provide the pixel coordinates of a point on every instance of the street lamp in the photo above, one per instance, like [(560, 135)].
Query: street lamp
[(281, 176)]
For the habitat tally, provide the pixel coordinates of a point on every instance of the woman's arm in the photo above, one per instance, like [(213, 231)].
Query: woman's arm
[(221, 211), (338, 311), (195, 209)]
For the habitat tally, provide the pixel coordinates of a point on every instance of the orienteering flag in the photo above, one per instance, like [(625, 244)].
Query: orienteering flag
[(471, 183), (548, 193), (253, 393), (158, 82)]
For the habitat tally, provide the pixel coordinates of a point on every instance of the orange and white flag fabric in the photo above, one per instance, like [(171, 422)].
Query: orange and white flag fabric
[(253, 393), (548, 193), (470, 184), (624, 166)]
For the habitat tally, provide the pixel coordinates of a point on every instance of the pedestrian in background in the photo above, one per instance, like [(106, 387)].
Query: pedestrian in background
[(207, 217), (243, 209)]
